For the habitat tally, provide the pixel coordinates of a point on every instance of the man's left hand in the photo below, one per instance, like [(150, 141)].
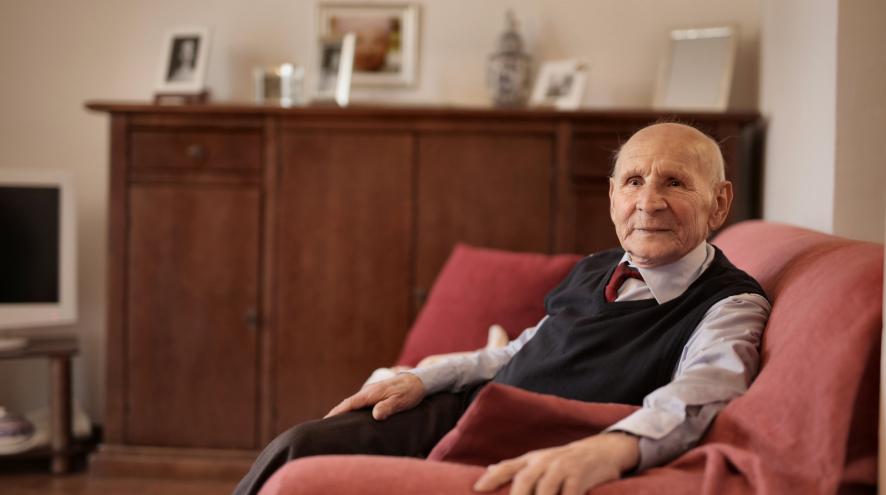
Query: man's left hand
[(571, 469)]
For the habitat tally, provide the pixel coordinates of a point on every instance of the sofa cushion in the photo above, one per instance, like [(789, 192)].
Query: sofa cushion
[(476, 288), (373, 475), (490, 431)]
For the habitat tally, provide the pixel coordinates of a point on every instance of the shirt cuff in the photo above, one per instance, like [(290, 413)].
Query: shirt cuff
[(659, 451), (648, 423), (435, 378)]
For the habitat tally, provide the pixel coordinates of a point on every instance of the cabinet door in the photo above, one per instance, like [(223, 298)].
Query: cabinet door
[(590, 162), (342, 263), (493, 190), (191, 293)]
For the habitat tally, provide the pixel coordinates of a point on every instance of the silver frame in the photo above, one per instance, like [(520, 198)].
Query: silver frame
[(290, 77), (665, 75)]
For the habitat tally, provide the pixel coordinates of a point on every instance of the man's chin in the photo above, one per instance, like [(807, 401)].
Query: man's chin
[(648, 258)]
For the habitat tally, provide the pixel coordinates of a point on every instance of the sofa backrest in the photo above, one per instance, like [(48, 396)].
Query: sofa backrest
[(478, 287)]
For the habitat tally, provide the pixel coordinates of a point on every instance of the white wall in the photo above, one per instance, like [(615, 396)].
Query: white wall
[(823, 70), (860, 162), (58, 53), (798, 67)]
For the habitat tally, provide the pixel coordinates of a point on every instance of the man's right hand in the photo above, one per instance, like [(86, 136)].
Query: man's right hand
[(390, 396)]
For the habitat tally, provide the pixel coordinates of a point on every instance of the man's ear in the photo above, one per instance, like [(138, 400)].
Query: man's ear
[(723, 201), (611, 191)]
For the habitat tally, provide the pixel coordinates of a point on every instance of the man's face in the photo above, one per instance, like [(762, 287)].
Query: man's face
[(664, 195), (187, 51)]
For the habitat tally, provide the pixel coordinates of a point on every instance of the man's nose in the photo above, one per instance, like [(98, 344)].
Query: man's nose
[(651, 199)]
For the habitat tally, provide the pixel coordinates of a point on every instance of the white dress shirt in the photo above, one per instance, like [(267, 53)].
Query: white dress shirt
[(718, 362)]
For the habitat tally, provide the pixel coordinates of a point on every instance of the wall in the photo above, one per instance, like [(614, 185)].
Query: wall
[(57, 54), (860, 162), (823, 70), (798, 65)]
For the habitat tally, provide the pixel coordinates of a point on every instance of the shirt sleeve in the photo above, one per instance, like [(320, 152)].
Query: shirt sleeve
[(718, 364), (457, 372)]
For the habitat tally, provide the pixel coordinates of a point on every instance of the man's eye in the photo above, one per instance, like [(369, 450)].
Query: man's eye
[(633, 181), (674, 183)]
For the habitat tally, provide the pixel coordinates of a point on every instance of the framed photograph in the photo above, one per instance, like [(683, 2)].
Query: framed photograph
[(560, 84), (696, 73), (335, 62), (386, 52), (183, 70), (283, 85)]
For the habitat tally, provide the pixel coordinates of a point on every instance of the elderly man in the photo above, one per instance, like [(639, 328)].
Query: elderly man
[(666, 321)]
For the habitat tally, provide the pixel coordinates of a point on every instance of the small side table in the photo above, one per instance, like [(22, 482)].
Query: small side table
[(59, 351)]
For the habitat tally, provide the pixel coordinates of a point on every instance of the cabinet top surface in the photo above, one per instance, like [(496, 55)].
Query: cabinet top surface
[(414, 111)]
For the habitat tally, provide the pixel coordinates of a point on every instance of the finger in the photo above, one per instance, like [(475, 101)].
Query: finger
[(362, 398), (550, 481), (385, 408), (526, 479), (580, 483), (340, 408), (497, 475), (572, 486)]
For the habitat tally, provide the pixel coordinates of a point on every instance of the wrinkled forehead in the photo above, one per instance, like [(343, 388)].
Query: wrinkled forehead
[(680, 152)]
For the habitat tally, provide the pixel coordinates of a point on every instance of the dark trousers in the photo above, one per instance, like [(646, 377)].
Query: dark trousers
[(411, 433)]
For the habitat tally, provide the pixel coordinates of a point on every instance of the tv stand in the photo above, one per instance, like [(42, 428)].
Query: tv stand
[(12, 343), (59, 351)]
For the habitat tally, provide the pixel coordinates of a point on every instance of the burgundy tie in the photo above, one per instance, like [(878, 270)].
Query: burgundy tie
[(622, 272)]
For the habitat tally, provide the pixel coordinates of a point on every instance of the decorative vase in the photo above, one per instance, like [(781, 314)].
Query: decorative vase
[(508, 75), (14, 428)]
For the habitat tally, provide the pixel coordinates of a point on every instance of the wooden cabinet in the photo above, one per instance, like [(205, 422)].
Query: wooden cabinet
[(485, 189), (343, 218), (264, 260), (191, 293)]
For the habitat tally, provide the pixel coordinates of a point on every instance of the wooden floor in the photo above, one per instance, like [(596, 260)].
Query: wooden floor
[(81, 483)]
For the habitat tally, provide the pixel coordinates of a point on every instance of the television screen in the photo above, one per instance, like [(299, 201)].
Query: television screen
[(38, 248), (29, 244)]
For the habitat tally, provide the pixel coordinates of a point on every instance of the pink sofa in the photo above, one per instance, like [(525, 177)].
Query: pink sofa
[(807, 425)]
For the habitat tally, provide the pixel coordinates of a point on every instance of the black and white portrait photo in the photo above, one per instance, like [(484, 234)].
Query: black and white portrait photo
[(183, 59), (185, 55)]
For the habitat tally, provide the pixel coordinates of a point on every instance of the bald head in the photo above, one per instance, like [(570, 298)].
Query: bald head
[(689, 141)]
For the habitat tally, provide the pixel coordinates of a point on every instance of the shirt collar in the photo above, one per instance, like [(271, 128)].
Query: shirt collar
[(667, 282)]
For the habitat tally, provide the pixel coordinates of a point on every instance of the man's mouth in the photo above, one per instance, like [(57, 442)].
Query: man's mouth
[(652, 230)]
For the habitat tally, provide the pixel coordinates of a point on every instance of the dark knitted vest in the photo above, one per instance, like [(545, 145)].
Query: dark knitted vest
[(592, 350)]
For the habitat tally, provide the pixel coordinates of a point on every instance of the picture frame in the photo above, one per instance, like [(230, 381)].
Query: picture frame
[(282, 85), (184, 61), (696, 72), (335, 61), (386, 51), (560, 84)]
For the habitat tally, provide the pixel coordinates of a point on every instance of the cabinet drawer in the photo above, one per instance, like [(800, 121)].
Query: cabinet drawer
[(217, 150)]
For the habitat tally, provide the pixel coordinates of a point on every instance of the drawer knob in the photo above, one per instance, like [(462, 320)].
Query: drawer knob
[(195, 151)]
